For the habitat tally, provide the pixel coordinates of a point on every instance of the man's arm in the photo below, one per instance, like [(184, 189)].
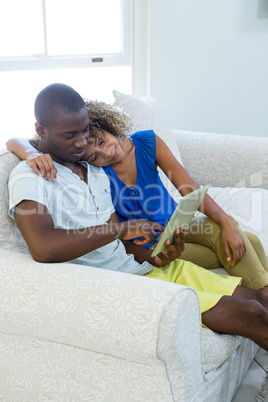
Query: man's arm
[(49, 244), (113, 218)]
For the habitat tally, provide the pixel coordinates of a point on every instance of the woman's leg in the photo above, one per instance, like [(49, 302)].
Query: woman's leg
[(207, 258), (253, 267), (259, 250), (200, 255), (258, 247)]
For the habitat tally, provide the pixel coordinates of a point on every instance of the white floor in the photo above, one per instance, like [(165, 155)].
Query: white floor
[(252, 382)]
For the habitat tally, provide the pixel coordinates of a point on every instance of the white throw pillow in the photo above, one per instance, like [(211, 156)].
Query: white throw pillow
[(248, 206), (146, 114)]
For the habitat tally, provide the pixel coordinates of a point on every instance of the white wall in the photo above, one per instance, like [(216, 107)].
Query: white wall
[(18, 91), (209, 64)]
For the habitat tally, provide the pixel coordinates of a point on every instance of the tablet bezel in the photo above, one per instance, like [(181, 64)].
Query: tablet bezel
[(182, 216)]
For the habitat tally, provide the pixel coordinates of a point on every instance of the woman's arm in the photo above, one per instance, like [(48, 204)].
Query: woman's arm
[(42, 164), (231, 237), (22, 148)]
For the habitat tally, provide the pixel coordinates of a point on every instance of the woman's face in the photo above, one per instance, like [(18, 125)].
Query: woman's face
[(103, 151)]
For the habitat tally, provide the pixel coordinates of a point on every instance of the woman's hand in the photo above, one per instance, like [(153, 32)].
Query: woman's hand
[(233, 243), (42, 165), (173, 251)]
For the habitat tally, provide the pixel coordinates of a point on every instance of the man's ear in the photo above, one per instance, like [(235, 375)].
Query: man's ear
[(39, 129)]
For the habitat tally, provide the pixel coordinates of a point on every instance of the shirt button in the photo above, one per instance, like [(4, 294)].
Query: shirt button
[(97, 208), (105, 191), (94, 196)]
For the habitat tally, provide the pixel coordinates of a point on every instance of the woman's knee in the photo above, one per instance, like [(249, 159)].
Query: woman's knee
[(254, 240), (204, 231)]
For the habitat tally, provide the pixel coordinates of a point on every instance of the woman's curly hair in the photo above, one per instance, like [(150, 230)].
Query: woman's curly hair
[(107, 117)]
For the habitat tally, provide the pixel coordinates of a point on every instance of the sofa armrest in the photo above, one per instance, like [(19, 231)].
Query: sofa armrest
[(222, 160), (103, 311), (180, 347)]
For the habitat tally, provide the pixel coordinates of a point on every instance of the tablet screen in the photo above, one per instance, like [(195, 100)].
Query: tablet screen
[(182, 216)]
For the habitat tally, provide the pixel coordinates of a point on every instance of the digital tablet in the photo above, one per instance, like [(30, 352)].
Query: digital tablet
[(182, 216)]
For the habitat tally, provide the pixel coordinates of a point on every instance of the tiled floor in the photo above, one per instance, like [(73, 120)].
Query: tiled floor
[(252, 382)]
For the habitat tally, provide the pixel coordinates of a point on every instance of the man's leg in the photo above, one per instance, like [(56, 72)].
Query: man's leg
[(245, 314), (251, 294), (226, 307)]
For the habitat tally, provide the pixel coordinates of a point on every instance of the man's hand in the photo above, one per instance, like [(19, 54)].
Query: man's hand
[(139, 228), (233, 243), (173, 251)]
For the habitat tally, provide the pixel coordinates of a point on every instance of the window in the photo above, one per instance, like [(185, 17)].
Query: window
[(63, 33), (83, 43)]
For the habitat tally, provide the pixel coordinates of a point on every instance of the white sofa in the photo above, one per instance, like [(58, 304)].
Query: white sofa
[(74, 333)]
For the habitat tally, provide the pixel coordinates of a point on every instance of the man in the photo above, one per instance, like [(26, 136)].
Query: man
[(73, 219)]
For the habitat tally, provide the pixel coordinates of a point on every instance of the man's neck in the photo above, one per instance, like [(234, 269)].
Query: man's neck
[(55, 158), (78, 169)]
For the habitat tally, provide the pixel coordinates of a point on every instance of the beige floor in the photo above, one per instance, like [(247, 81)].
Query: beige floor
[(254, 378)]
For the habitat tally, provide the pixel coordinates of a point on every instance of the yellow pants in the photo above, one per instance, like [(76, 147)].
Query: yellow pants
[(203, 247), (210, 287)]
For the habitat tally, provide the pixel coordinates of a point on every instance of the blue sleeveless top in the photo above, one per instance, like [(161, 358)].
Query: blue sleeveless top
[(149, 199)]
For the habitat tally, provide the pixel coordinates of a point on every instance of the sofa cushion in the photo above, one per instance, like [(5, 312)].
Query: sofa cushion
[(146, 114), (10, 236), (248, 206)]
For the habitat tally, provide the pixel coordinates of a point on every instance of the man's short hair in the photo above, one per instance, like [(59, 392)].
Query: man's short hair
[(53, 99)]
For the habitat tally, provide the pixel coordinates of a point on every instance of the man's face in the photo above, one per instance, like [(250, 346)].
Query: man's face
[(66, 140)]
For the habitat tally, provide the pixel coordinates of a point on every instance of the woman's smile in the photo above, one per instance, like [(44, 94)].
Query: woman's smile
[(115, 155)]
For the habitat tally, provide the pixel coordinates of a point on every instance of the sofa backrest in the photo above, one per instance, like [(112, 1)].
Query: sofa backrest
[(10, 236)]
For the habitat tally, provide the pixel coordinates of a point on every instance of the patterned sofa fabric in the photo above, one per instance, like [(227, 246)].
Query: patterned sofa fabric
[(224, 160), (10, 236)]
